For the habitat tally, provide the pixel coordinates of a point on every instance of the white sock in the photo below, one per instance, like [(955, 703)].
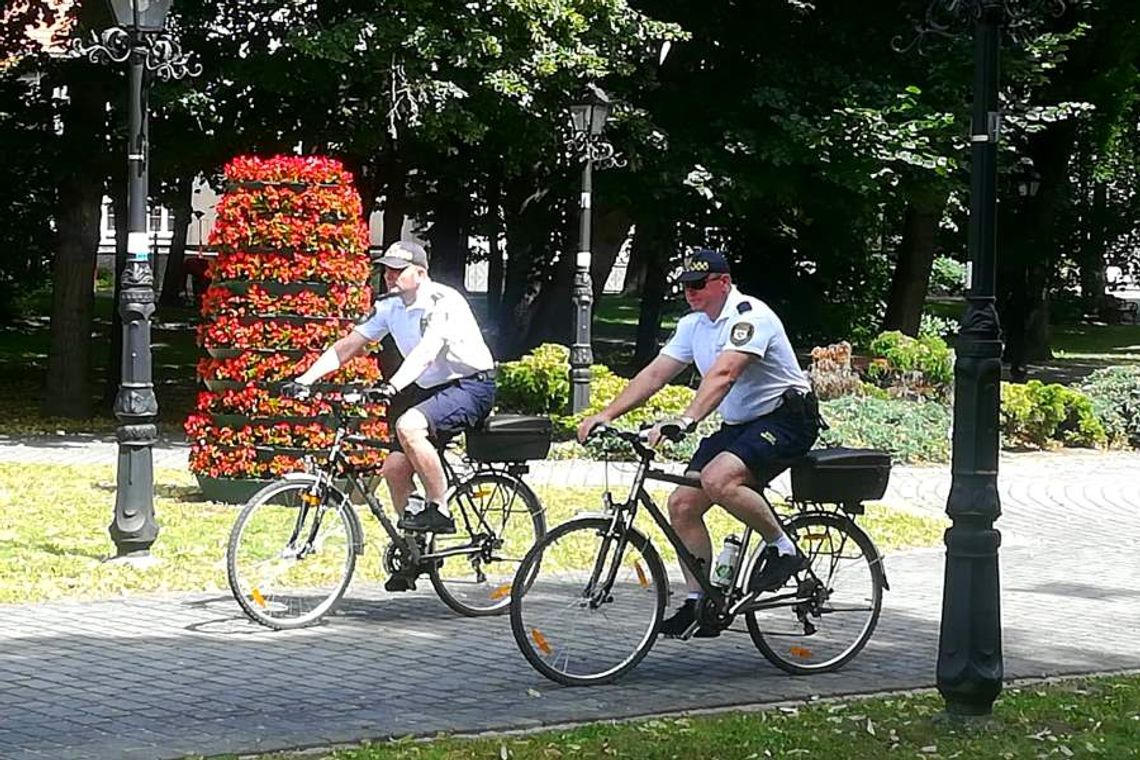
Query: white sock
[(443, 510), (785, 546)]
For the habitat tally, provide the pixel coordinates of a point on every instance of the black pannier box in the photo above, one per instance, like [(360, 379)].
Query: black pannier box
[(841, 476), (510, 438)]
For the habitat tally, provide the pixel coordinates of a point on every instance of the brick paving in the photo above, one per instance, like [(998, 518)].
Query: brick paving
[(168, 676)]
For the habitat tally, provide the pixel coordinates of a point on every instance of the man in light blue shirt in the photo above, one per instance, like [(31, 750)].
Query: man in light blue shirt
[(749, 373)]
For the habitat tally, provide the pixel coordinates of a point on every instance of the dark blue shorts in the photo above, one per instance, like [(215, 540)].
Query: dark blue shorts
[(768, 444), (449, 409)]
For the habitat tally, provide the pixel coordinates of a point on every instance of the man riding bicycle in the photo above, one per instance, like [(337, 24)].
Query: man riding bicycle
[(444, 385), (749, 373)]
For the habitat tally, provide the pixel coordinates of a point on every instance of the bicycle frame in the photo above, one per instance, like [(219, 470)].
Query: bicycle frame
[(339, 466), (729, 601)]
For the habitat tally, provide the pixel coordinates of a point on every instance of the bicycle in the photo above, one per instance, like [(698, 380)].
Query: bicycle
[(568, 623), (293, 548)]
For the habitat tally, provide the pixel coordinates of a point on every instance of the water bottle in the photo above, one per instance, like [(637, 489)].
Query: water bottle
[(726, 561)]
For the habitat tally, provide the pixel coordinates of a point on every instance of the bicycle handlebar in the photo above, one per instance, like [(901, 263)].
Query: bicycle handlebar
[(634, 438)]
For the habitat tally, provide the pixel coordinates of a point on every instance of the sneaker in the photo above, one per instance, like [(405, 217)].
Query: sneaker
[(682, 620), (400, 582), (427, 520), (777, 569)]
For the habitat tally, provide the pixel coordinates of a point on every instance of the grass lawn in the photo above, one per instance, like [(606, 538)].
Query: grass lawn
[(1115, 344), (1088, 718), (54, 537)]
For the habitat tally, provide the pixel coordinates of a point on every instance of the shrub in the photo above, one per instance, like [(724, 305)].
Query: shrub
[(538, 383), (1038, 415), (922, 367), (947, 277), (934, 326), (912, 431), (1115, 396)]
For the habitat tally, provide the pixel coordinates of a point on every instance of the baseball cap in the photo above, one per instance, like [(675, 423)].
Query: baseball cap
[(702, 263), (403, 253)]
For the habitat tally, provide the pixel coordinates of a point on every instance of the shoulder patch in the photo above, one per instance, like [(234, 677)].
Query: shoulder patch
[(741, 333), (743, 307)]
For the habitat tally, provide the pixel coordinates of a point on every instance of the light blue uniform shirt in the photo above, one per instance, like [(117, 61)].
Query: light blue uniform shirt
[(745, 324)]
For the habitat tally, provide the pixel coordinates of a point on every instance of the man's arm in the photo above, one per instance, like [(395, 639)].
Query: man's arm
[(716, 383), (647, 382), (334, 357)]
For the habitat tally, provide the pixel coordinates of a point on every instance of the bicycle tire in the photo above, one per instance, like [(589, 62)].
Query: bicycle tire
[(821, 535), (537, 588), (462, 582), (321, 585)]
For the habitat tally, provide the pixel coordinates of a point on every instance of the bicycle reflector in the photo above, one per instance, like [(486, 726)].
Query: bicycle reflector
[(257, 597), (642, 580), (500, 592), (541, 642), (802, 652)]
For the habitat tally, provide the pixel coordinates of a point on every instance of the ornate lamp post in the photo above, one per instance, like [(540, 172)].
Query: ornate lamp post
[(141, 41), (970, 668), (588, 119)]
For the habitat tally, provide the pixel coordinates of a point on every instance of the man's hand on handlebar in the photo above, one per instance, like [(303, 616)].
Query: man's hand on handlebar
[(670, 428), (293, 389), (589, 424), (381, 394)]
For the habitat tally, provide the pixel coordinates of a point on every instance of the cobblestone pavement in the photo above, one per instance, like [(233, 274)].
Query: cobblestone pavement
[(155, 677)]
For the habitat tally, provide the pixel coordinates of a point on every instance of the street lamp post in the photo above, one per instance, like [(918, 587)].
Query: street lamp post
[(588, 119), (140, 40), (970, 669)]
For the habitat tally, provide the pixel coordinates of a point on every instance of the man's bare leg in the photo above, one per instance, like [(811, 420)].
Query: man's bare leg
[(397, 473), (412, 429), (728, 482), (687, 508)]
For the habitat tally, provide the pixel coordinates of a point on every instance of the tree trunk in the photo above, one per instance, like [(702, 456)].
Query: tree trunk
[(448, 235), (67, 391), (611, 230), (636, 271), (494, 249), (652, 244), (1093, 279), (174, 278), (529, 216), (395, 201), (915, 259)]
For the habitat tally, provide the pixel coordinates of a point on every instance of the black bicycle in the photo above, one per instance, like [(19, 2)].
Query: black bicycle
[(293, 549), (589, 598)]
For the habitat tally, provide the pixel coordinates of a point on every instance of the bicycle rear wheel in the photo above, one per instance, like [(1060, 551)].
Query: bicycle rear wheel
[(289, 560), (837, 599), (569, 624), (498, 519)]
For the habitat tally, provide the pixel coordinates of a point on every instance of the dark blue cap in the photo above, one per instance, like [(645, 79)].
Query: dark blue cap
[(702, 263)]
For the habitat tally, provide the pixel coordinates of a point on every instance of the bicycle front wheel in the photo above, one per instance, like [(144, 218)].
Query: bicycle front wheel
[(587, 605), (290, 560), (498, 519), (836, 600)]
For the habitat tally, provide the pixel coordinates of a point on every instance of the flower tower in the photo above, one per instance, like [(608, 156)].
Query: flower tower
[(290, 278)]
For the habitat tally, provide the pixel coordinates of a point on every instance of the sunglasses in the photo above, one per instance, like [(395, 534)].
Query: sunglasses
[(697, 284)]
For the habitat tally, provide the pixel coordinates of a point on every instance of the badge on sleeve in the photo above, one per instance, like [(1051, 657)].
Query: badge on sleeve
[(741, 333)]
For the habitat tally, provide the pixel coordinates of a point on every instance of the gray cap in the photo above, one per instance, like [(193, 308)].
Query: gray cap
[(403, 253)]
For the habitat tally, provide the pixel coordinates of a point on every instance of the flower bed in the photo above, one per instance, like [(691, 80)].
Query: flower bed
[(288, 281)]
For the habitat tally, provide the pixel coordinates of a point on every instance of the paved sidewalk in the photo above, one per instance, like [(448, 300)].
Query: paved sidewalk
[(156, 677)]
